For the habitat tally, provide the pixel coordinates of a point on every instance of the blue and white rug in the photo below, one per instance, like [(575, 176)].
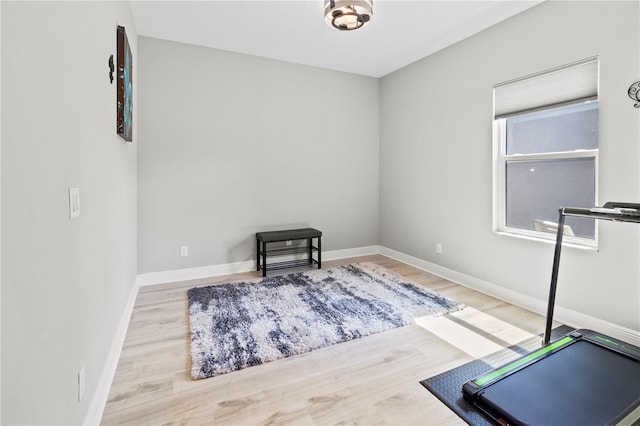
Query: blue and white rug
[(238, 325)]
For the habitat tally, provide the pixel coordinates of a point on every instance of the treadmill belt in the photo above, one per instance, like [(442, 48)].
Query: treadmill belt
[(581, 384)]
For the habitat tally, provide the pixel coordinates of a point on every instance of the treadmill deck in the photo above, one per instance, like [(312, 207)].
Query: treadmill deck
[(584, 378)]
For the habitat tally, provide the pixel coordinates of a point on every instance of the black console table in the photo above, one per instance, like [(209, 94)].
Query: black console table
[(262, 252)]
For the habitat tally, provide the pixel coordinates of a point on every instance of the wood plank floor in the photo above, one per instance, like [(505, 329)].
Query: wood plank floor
[(370, 381)]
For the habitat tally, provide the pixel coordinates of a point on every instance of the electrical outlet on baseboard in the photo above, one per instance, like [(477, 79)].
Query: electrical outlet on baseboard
[(184, 251)]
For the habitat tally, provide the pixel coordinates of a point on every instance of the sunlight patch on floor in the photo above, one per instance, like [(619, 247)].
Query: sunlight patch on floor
[(496, 327), (459, 336), (470, 339)]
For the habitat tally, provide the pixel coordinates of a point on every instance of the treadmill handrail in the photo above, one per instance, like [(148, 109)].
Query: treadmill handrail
[(622, 212), (615, 211)]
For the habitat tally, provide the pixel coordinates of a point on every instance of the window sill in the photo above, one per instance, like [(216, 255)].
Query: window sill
[(581, 244)]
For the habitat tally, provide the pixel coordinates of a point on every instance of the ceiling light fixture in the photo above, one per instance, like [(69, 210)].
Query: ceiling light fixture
[(348, 14)]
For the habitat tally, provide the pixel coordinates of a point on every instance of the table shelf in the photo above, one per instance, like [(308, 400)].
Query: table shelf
[(290, 264)]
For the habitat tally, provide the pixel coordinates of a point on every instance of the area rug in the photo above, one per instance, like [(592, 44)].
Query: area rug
[(447, 387), (238, 325)]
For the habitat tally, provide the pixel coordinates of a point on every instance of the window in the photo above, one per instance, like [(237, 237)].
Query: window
[(546, 152)]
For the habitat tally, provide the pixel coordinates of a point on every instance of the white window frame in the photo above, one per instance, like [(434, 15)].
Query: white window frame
[(565, 85), (501, 158)]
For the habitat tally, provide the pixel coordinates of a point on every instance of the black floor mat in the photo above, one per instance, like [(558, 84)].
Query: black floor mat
[(447, 387)]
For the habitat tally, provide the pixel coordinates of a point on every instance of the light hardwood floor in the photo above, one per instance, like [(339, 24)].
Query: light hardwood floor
[(373, 380)]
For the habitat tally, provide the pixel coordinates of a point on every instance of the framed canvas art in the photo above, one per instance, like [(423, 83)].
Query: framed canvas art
[(124, 85)]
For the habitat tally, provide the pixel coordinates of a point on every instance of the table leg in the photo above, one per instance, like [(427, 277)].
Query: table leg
[(257, 254), (319, 253), (264, 259)]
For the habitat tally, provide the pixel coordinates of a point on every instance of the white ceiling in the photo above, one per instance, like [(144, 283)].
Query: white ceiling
[(400, 32)]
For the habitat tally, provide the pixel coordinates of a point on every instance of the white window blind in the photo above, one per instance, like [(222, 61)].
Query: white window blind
[(571, 83)]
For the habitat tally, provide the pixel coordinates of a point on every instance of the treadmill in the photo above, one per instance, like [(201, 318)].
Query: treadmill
[(583, 378)]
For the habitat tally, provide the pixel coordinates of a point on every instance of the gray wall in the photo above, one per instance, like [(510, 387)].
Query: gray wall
[(231, 144), (65, 283), (436, 156)]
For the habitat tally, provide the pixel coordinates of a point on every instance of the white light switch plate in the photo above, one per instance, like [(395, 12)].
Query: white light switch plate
[(74, 202)]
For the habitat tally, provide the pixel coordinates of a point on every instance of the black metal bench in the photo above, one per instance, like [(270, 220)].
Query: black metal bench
[(308, 234)]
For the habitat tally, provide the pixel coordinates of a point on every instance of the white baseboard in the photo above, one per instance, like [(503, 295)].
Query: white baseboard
[(235, 268), (187, 274), (579, 320), (354, 252), (561, 314), (99, 400)]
